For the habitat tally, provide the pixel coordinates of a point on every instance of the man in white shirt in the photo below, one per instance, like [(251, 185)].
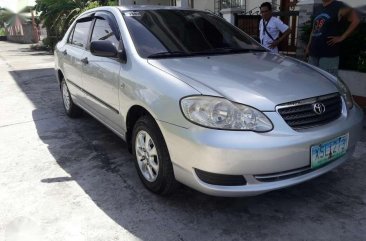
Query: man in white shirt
[(270, 28)]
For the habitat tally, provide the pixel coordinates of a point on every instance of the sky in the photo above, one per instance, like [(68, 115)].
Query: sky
[(16, 5)]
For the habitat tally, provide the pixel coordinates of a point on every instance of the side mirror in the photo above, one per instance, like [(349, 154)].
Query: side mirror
[(103, 48)]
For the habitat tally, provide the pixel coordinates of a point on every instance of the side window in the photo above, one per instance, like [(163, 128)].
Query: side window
[(81, 32), (102, 31)]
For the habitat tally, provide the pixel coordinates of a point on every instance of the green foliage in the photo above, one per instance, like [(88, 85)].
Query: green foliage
[(4, 17), (50, 42), (91, 5), (113, 3), (58, 15), (2, 32)]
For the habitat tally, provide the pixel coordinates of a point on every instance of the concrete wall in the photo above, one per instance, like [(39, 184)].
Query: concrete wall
[(254, 4), (145, 2), (204, 4), (352, 3), (356, 3), (198, 4), (209, 4)]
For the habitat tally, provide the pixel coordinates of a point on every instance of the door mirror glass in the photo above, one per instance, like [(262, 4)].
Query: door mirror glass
[(103, 48)]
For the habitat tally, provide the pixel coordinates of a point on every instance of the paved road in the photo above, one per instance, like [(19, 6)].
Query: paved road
[(64, 179)]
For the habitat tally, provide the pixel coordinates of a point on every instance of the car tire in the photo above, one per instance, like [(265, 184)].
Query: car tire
[(152, 158), (71, 109)]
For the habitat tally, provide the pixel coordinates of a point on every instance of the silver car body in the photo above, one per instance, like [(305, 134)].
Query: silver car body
[(109, 89)]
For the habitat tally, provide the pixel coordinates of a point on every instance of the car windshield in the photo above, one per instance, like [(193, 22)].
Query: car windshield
[(175, 33)]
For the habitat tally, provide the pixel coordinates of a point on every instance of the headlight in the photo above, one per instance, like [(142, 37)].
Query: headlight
[(219, 113), (343, 89)]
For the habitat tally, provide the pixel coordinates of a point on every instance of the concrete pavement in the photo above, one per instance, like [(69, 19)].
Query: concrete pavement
[(73, 179)]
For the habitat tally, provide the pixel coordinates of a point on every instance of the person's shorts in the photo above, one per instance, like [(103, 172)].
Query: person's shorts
[(328, 64)]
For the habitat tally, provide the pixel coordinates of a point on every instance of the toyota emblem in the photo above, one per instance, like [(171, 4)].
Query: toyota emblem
[(319, 108)]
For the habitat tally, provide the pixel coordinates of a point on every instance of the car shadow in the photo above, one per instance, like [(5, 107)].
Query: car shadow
[(99, 162)]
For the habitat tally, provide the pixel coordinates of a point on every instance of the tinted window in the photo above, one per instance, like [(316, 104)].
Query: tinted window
[(156, 31), (80, 37), (102, 31)]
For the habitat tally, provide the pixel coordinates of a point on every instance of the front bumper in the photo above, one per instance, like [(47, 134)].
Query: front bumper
[(254, 154)]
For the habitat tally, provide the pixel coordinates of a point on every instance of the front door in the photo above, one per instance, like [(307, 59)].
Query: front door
[(101, 75)]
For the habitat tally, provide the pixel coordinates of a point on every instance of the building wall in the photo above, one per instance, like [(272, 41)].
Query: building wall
[(254, 5), (352, 3), (197, 4), (145, 2), (210, 4), (26, 38), (204, 4), (356, 3)]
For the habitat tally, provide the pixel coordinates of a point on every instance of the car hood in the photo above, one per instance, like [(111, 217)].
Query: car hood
[(262, 80)]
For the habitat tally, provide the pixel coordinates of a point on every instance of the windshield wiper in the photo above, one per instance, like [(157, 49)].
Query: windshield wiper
[(205, 52), (168, 54), (258, 50), (242, 50)]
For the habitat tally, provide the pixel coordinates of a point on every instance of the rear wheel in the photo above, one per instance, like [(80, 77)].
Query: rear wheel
[(71, 109), (152, 159)]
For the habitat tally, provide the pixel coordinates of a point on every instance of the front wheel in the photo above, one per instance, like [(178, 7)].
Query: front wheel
[(152, 159)]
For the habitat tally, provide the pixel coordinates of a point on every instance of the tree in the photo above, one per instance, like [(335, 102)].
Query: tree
[(57, 15)]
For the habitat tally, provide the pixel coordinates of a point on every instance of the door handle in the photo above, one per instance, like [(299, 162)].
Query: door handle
[(84, 60), (64, 52)]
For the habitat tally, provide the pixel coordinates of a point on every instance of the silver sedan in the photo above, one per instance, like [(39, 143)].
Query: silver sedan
[(201, 103)]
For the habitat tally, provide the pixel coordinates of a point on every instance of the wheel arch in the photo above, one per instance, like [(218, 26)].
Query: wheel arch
[(133, 114), (60, 77)]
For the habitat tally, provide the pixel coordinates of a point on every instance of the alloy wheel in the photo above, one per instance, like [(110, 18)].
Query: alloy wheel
[(147, 156), (66, 96)]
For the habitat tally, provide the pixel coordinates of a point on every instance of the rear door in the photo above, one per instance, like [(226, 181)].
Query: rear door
[(74, 55), (101, 74)]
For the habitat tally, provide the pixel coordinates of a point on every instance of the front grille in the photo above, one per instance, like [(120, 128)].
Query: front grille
[(301, 114)]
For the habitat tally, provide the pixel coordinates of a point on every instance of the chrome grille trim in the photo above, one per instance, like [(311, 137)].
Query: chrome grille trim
[(300, 114), (283, 175)]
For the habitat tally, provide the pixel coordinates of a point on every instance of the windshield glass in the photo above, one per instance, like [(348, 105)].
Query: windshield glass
[(172, 33)]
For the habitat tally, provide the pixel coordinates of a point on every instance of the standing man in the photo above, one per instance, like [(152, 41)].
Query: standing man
[(325, 39), (270, 28)]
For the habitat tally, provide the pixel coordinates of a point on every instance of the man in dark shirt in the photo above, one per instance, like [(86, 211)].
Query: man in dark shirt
[(325, 39)]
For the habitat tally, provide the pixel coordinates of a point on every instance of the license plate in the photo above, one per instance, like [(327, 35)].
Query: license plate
[(328, 151)]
